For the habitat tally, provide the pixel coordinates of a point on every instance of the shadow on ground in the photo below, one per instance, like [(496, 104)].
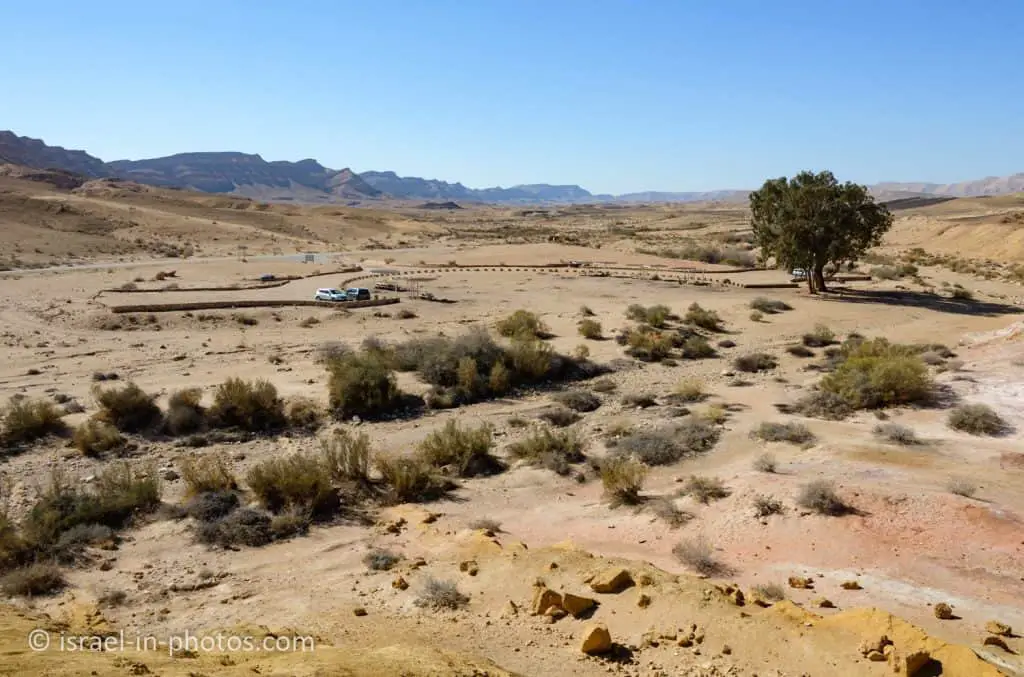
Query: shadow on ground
[(911, 299)]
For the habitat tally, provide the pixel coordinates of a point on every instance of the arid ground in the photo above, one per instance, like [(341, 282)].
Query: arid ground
[(948, 277)]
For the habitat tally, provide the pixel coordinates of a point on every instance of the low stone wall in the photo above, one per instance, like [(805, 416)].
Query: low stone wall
[(263, 303)]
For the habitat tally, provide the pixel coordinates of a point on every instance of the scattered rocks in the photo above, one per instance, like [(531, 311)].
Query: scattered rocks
[(875, 645), (611, 581), (823, 603), (392, 526), (400, 583), (595, 640), (643, 600), (543, 599), (943, 611), (850, 585), (577, 605), (169, 474), (801, 582), (469, 567), (997, 628)]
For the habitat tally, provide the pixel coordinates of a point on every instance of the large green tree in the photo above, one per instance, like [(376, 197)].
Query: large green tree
[(812, 220)]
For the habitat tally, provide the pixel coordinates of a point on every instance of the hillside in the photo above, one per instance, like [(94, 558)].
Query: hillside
[(21, 150)]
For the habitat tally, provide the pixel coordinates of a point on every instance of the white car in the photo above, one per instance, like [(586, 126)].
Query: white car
[(798, 273), (330, 295)]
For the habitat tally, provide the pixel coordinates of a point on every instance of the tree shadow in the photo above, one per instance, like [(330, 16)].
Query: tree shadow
[(926, 300)]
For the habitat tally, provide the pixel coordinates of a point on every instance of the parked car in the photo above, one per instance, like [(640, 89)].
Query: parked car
[(328, 294), (358, 294), (267, 277), (798, 273)]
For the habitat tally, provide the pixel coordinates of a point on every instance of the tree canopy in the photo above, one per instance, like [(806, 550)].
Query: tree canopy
[(812, 221)]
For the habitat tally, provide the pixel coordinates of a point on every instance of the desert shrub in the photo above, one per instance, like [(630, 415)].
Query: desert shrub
[(71, 542), (667, 446), (549, 448), (128, 408), (303, 413), (876, 374), (244, 526), (932, 359), (976, 419), (410, 479), (771, 592), (590, 329), (210, 506), (438, 594), (26, 420), (185, 414), (559, 416), (585, 311), (705, 489), (581, 352), (499, 381), (648, 345), (531, 361), (667, 511), (961, 294), (797, 433), (697, 436), (361, 385), (703, 318), (207, 473), (962, 487), (405, 314), (622, 478), (769, 306), (253, 406), (578, 400), (697, 348), (299, 481), (523, 324), (754, 362), (34, 580), (309, 322), (288, 524), (699, 555), (690, 390), (885, 272), (467, 449), (346, 457), (380, 559), (821, 497), (603, 385), (799, 350), (767, 505), (823, 404), (819, 338), (94, 437), (756, 316), (246, 320), (896, 433), (765, 463), (332, 350), (485, 524), (656, 316)]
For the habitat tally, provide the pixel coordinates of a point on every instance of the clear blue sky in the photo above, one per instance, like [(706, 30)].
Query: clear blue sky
[(616, 96)]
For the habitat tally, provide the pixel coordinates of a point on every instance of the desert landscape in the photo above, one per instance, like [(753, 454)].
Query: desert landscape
[(576, 439)]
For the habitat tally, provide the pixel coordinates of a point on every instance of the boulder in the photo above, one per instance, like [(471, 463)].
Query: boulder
[(595, 640), (823, 603), (943, 611), (874, 644), (544, 599), (910, 663), (850, 585), (611, 581), (577, 605)]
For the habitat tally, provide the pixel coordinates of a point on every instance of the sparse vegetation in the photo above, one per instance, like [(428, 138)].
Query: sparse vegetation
[(697, 348), (654, 316), (578, 400), (128, 408), (666, 510), (440, 595), (699, 555), (639, 400), (669, 445), (548, 448), (362, 385), (185, 414), (877, 374), (603, 385), (690, 390), (765, 463), (754, 362), (299, 481), (769, 306), (977, 419), (253, 406), (623, 478), (797, 433), (767, 505), (799, 350), (25, 420), (820, 496), (523, 324), (485, 524), (559, 416), (34, 580), (962, 487), (703, 318), (410, 479), (380, 559), (819, 338), (705, 489), (590, 329), (94, 437), (896, 434), (303, 413), (823, 404), (207, 473), (771, 592), (467, 450)]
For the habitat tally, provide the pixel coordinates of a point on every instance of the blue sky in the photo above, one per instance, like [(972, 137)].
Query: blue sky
[(616, 96)]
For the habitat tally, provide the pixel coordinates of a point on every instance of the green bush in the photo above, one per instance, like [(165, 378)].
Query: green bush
[(656, 316), (467, 449), (590, 329), (622, 478), (875, 374), (410, 479), (299, 481), (549, 448), (253, 406), (26, 420), (362, 385), (523, 324), (347, 457), (648, 345), (93, 438), (128, 408), (977, 419), (703, 318)]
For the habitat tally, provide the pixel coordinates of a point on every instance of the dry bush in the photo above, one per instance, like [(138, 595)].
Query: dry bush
[(668, 446), (26, 420), (821, 497), (797, 433), (623, 478), (410, 479), (756, 316), (185, 414), (754, 362), (821, 337), (799, 350), (697, 436), (578, 400), (210, 506), (253, 406), (523, 324), (932, 358), (332, 350), (823, 404), (896, 434), (639, 400), (208, 473), (585, 311), (977, 419), (467, 450), (362, 385), (299, 481), (699, 555), (590, 329), (246, 320), (655, 316), (648, 345), (548, 448), (714, 413), (304, 413), (380, 559), (559, 416), (767, 505), (405, 314), (771, 592), (128, 408), (705, 489), (438, 595), (347, 457), (961, 294), (690, 390), (765, 463), (666, 510), (697, 348), (703, 318), (962, 487), (485, 524), (769, 306), (581, 352), (93, 438), (288, 524), (34, 580), (604, 385), (244, 526), (309, 322), (876, 374)]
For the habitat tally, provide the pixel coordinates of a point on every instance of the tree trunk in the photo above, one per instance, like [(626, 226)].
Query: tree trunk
[(810, 283), (819, 278)]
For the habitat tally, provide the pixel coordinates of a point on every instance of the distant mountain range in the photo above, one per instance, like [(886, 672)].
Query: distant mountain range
[(309, 181)]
